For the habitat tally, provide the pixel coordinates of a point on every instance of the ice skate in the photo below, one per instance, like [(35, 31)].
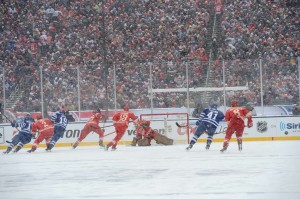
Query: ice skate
[(17, 149), (101, 143), (49, 147), (224, 149), (113, 148), (75, 145), (7, 151), (31, 150), (240, 146), (208, 142), (189, 147), (106, 148)]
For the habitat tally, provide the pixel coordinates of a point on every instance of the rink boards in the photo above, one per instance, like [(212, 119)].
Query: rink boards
[(264, 129)]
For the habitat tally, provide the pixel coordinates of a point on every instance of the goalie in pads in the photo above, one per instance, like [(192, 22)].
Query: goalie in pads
[(144, 135)]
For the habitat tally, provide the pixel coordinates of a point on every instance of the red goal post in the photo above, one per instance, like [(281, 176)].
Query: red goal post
[(165, 124)]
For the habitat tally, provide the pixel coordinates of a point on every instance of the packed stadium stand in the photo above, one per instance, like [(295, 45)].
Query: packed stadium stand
[(115, 50)]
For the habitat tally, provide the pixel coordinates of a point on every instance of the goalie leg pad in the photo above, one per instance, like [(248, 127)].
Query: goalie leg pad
[(144, 142), (162, 139), (134, 141)]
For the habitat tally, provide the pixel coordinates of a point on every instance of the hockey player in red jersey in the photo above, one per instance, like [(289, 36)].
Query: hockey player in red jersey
[(121, 121), (45, 130), (144, 135), (92, 125), (235, 117)]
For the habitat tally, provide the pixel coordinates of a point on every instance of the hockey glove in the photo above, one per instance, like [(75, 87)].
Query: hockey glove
[(13, 124), (249, 123), (198, 121)]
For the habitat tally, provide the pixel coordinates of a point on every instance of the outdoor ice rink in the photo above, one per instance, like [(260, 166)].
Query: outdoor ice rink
[(263, 170)]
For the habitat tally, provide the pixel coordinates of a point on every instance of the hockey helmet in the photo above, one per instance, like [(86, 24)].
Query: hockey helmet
[(234, 103), (62, 111), (125, 108), (213, 105), (249, 106), (28, 117), (39, 116), (97, 110)]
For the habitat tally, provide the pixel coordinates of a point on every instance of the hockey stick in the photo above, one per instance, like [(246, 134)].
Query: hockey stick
[(108, 134), (112, 125), (180, 126), (107, 126), (9, 121), (7, 118), (4, 114)]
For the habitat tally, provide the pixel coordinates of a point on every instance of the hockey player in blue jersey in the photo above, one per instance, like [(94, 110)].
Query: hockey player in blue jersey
[(60, 122), (208, 122), (24, 135)]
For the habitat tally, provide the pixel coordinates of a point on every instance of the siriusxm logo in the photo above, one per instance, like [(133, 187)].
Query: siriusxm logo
[(284, 126)]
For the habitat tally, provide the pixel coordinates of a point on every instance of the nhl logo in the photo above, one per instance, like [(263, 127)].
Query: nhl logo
[(262, 126)]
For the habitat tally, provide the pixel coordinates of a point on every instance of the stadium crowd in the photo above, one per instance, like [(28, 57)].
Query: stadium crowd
[(66, 41), (261, 29)]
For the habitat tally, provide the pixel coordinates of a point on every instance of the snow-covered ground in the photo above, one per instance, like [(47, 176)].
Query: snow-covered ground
[(263, 170)]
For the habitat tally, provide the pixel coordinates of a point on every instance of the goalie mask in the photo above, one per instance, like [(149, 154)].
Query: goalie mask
[(144, 123)]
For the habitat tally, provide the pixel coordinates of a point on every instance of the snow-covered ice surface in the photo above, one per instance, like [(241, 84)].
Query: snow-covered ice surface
[(268, 170)]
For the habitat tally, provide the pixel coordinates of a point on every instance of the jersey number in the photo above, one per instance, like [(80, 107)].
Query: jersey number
[(45, 124), (123, 117), (212, 115)]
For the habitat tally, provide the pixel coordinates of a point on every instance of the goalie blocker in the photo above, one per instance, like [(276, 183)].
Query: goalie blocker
[(144, 135)]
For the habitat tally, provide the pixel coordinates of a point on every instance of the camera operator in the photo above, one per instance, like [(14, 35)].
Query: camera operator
[(69, 117), (198, 110), (296, 109)]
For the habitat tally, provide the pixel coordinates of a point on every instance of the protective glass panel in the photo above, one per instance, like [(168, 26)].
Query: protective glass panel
[(132, 85), (169, 84), (242, 81), (280, 80), (93, 87), (59, 87)]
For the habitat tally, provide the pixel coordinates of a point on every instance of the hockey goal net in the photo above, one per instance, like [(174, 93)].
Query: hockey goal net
[(172, 125)]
